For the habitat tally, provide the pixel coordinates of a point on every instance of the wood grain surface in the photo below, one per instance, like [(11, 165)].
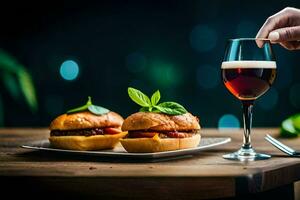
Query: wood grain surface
[(202, 176)]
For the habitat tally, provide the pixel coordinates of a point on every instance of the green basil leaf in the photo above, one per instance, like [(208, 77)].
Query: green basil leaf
[(171, 108), (89, 102), (81, 108), (155, 98), (160, 109), (139, 97), (97, 110)]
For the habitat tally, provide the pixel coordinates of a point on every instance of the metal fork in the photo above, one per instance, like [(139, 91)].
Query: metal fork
[(282, 147)]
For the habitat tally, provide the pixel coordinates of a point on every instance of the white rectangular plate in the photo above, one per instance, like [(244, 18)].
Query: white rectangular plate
[(120, 152)]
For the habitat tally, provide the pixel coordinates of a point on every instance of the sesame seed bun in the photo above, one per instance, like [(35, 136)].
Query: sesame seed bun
[(86, 120), (84, 143), (160, 122), (156, 144)]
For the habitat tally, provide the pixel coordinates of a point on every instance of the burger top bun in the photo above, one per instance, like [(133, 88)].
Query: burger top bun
[(86, 120), (160, 122)]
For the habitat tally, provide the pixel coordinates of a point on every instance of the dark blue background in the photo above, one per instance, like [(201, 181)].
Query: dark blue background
[(174, 46)]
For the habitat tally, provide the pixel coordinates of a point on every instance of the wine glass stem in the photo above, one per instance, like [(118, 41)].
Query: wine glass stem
[(247, 117)]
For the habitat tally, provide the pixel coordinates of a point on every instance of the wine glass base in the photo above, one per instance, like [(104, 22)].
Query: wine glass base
[(246, 155)]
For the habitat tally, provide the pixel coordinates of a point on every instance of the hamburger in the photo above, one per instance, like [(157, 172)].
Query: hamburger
[(159, 127), (155, 132), (89, 127)]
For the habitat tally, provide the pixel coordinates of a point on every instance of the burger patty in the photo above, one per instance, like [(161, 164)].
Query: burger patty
[(164, 134), (86, 132), (79, 132)]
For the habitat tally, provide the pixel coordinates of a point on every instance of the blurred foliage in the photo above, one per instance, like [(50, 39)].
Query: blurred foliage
[(18, 82), (290, 127)]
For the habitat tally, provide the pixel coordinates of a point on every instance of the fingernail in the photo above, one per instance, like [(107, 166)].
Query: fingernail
[(274, 36)]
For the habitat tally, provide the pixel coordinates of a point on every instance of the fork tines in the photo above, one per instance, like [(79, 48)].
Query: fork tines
[(280, 146)]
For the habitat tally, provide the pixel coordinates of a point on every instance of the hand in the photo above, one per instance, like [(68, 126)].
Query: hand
[(282, 28)]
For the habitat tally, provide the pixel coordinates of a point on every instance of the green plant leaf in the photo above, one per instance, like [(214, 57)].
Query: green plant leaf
[(9, 63), (17, 80), (139, 97), (97, 110), (78, 109), (27, 88), (287, 129), (11, 84), (296, 122), (155, 98), (144, 109), (171, 108), (81, 108)]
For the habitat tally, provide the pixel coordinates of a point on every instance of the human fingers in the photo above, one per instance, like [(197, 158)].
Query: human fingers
[(278, 20), (293, 45), (285, 34)]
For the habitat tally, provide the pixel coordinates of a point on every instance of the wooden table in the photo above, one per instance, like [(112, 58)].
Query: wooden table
[(203, 176)]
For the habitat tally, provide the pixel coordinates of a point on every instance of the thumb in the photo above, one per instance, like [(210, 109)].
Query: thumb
[(285, 34)]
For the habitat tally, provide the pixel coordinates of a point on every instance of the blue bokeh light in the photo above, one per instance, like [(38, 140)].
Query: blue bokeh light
[(228, 121), (69, 70), (203, 38)]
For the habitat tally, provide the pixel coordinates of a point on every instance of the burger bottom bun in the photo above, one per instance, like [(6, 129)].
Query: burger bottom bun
[(85, 143), (150, 145)]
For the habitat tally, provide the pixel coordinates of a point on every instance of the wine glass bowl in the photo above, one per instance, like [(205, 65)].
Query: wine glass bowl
[(248, 71), (248, 80)]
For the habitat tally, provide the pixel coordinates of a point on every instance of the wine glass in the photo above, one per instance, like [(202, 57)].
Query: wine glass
[(248, 71)]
